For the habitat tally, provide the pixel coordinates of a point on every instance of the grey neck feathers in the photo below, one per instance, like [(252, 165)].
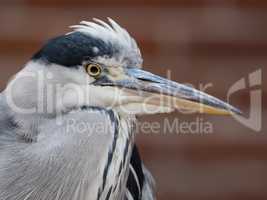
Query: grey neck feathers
[(76, 159)]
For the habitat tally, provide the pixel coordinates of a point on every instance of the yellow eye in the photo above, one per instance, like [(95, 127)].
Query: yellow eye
[(93, 70)]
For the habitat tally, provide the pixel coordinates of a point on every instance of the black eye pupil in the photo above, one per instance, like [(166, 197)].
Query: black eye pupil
[(94, 70)]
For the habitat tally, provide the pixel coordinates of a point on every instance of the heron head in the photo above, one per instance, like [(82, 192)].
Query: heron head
[(99, 64)]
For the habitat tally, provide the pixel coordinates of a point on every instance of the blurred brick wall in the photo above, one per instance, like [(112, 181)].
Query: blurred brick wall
[(203, 41)]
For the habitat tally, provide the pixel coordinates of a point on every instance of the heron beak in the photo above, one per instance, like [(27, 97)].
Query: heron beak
[(158, 91)]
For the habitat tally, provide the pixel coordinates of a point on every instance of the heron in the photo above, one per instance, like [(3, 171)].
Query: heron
[(68, 118)]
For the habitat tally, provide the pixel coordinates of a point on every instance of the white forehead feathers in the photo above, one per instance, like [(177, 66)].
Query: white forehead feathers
[(113, 34)]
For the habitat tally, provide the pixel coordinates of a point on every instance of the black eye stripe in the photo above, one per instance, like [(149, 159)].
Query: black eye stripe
[(72, 49)]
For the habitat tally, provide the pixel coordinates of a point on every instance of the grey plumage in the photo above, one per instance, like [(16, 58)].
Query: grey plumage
[(65, 164), (47, 169)]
